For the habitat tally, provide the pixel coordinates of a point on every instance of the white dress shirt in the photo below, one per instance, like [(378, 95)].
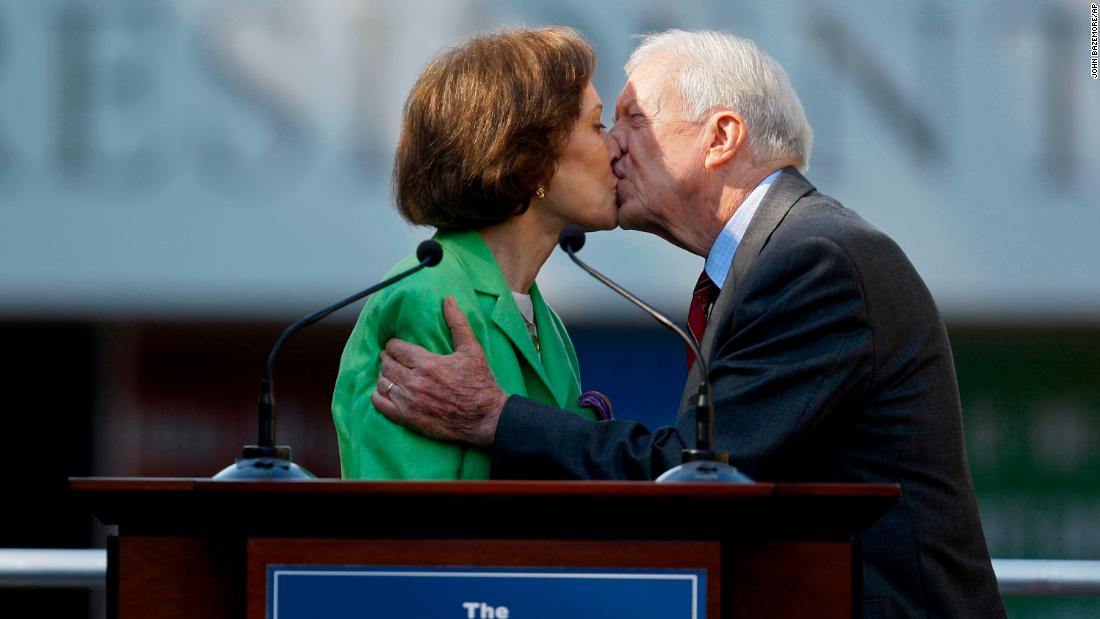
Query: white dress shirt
[(720, 258)]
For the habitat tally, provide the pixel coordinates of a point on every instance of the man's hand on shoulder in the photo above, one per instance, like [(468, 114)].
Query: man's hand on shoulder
[(447, 397)]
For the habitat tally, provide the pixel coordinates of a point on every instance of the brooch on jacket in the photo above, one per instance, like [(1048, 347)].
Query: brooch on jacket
[(598, 402)]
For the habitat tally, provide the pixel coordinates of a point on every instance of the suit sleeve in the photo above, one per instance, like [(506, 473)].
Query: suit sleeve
[(797, 348)]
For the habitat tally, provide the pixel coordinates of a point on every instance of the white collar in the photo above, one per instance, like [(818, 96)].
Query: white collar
[(720, 258)]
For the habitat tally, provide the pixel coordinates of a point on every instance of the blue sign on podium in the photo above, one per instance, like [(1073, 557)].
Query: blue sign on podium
[(341, 592)]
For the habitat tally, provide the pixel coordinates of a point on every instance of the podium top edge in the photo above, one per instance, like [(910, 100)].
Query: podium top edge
[(491, 487)]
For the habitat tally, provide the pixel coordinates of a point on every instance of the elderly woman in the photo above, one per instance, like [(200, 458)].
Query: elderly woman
[(501, 147)]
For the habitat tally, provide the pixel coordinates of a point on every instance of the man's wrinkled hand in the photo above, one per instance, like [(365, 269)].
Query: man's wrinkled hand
[(447, 397)]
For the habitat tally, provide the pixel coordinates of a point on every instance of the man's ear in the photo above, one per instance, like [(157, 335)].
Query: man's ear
[(727, 133)]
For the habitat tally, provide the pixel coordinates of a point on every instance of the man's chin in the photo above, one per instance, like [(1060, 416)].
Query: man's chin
[(627, 219)]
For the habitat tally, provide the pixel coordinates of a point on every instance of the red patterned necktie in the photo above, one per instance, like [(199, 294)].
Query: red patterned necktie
[(701, 301)]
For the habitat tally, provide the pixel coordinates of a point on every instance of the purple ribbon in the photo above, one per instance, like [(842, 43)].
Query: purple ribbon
[(598, 402)]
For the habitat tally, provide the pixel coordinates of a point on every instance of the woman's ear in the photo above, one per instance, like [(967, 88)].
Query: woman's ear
[(727, 132)]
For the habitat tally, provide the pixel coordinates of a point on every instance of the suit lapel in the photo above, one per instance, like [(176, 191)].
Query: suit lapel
[(486, 277), (788, 187), (781, 196)]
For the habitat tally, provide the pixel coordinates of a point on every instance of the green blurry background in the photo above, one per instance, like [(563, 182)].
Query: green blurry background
[(1031, 403)]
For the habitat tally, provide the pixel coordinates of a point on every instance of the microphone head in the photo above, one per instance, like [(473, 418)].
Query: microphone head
[(571, 238), (429, 252)]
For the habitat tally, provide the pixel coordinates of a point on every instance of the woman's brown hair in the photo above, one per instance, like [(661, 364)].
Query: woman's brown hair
[(484, 124)]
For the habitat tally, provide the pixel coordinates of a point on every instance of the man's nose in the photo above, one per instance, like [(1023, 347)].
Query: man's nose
[(618, 134), (613, 149)]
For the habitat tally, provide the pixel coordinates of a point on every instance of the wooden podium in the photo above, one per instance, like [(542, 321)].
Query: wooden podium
[(198, 548)]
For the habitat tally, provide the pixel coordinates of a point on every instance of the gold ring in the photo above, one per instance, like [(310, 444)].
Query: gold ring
[(390, 388)]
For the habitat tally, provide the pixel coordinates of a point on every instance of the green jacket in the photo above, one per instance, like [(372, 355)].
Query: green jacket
[(373, 447)]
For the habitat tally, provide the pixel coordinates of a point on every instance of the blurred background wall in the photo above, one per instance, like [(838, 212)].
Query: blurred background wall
[(179, 179)]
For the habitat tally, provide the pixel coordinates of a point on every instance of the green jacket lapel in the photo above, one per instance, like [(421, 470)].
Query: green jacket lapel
[(485, 274), (555, 359)]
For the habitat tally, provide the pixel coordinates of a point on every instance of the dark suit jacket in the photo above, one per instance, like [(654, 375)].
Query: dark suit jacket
[(829, 363)]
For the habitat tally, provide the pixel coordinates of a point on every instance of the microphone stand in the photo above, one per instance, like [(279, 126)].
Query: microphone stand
[(266, 460), (703, 463)]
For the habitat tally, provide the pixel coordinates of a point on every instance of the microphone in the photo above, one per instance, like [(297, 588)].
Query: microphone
[(266, 460), (701, 463)]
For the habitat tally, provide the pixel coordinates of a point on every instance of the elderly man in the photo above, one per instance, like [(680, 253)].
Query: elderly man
[(827, 355)]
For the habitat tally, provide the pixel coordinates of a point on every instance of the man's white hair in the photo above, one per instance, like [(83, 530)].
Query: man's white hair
[(720, 70)]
